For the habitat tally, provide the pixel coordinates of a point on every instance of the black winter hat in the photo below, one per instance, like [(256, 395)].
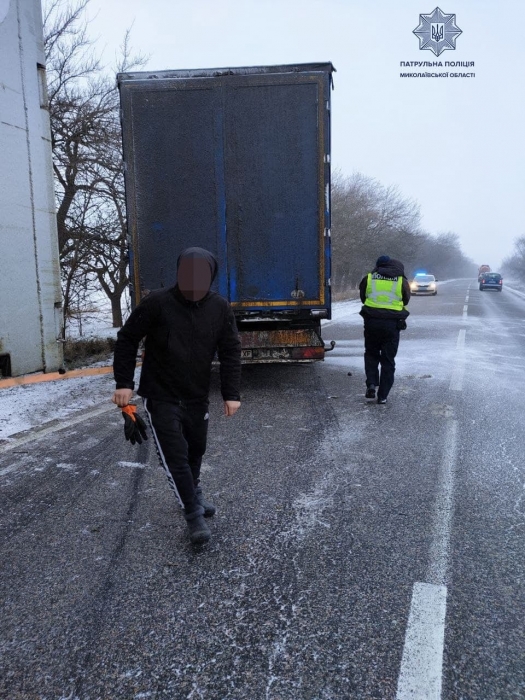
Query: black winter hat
[(382, 260)]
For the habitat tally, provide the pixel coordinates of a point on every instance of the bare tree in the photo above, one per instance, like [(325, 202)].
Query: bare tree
[(87, 160), (442, 255), (514, 264), (368, 220)]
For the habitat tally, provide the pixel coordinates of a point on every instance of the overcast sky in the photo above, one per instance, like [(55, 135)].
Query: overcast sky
[(455, 145)]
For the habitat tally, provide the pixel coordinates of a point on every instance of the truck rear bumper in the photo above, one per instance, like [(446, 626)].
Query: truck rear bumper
[(281, 345)]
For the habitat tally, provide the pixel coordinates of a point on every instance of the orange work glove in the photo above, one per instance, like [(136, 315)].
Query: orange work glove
[(134, 426)]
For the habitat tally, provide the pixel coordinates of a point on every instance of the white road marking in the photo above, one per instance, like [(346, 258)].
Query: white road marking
[(34, 435), (439, 549), (456, 382), (420, 677)]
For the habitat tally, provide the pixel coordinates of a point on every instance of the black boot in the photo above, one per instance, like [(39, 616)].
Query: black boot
[(199, 531), (209, 508)]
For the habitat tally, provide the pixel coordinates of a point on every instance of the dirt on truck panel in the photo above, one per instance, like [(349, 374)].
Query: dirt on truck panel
[(236, 161)]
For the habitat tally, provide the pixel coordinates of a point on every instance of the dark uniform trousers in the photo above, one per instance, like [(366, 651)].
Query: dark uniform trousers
[(381, 344), (180, 432)]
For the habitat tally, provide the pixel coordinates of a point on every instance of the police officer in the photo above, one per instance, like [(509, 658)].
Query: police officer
[(385, 292)]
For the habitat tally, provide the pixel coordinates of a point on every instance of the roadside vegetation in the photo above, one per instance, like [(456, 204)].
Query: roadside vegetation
[(514, 265), (368, 218), (87, 161), (82, 352)]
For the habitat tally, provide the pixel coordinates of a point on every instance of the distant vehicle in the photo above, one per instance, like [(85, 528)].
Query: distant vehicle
[(424, 284), (483, 269), (491, 280)]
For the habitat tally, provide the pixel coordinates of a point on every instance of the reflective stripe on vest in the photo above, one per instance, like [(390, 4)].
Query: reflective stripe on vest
[(384, 293)]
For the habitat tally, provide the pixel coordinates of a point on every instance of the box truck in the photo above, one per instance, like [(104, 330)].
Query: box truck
[(237, 161)]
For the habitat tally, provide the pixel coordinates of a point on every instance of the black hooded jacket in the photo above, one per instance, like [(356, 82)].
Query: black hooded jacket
[(392, 269), (181, 340)]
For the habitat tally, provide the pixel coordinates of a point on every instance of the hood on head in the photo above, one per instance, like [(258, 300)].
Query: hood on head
[(389, 268), (196, 270), (200, 253)]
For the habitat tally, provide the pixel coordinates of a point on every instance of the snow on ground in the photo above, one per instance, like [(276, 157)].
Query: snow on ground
[(25, 407), (29, 406), (98, 326), (32, 405), (97, 321), (346, 311)]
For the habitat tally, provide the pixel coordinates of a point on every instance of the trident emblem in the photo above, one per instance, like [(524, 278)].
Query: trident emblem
[(437, 32)]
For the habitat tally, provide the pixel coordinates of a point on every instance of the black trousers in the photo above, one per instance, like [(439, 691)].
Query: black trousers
[(180, 432), (381, 344)]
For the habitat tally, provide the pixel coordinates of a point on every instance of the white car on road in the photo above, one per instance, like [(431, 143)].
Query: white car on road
[(424, 284)]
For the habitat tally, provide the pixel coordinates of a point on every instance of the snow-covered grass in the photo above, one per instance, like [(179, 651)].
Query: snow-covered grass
[(32, 405), (344, 311), (92, 351), (95, 325), (96, 320), (25, 407)]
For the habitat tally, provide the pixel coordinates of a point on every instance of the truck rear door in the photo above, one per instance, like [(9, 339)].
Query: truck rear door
[(235, 161)]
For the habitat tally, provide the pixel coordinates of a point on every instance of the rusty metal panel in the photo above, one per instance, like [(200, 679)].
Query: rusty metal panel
[(280, 338)]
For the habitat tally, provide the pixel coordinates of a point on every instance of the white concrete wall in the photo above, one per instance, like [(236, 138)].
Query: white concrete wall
[(30, 298)]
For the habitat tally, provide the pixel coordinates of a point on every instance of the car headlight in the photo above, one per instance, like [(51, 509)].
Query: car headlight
[(432, 285)]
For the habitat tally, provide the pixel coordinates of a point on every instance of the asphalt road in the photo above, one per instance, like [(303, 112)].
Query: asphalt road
[(359, 551)]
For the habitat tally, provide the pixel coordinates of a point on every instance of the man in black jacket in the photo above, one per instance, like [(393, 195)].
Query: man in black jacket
[(184, 326), (385, 292)]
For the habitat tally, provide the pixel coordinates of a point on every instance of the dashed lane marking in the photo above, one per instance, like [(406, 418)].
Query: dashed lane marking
[(421, 671), (439, 549), (456, 382), (421, 665)]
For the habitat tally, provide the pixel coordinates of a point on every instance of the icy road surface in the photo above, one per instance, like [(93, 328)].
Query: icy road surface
[(359, 551)]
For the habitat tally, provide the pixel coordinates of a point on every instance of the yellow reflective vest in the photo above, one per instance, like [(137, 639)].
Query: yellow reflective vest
[(383, 292)]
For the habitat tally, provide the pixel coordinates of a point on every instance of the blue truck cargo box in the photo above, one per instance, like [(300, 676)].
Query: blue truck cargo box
[(235, 160)]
